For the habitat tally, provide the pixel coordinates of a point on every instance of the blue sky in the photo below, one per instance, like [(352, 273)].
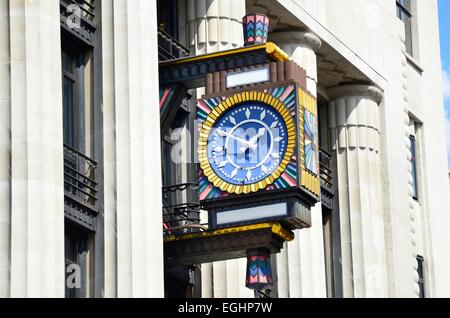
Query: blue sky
[(444, 23)]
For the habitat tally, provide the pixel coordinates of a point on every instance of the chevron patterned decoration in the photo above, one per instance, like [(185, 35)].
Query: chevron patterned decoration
[(259, 271), (256, 29)]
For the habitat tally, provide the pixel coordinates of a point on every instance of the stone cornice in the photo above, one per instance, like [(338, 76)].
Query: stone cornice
[(297, 37), (362, 90)]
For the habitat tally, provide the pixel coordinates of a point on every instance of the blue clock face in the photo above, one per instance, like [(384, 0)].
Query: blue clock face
[(247, 143)]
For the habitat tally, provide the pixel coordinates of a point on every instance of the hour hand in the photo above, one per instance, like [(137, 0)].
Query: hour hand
[(242, 150), (252, 143), (261, 133)]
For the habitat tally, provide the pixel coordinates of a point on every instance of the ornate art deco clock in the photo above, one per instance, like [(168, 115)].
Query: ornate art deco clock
[(249, 145), (258, 155)]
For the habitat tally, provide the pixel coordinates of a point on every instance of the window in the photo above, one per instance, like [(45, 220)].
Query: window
[(413, 149), (180, 195), (420, 271), (74, 95), (73, 137), (168, 17), (70, 103), (78, 21), (404, 14), (76, 250), (80, 186), (169, 169), (328, 251), (168, 36)]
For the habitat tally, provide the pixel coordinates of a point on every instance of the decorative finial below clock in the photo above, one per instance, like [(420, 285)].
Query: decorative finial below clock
[(259, 270)]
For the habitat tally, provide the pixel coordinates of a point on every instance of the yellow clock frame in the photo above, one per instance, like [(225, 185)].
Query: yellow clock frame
[(211, 120)]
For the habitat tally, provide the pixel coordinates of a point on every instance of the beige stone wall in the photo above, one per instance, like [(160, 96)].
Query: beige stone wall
[(370, 37), (31, 152), (132, 161), (394, 228), (381, 216)]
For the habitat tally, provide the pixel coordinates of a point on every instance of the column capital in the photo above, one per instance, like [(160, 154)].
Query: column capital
[(351, 90), (304, 38)]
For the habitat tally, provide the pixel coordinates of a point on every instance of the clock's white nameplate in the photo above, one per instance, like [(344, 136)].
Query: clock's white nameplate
[(249, 214), (254, 76)]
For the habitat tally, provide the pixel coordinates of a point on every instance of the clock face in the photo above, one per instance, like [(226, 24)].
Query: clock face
[(247, 143)]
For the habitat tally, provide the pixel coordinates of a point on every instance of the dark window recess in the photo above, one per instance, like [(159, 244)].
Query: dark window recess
[(326, 179), (404, 14), (414, 166), (181, 209), (70, 67), (76, 248), (168, 17), (169, 47), (78, 20), (328, 251), (80, 180), (420, 271)]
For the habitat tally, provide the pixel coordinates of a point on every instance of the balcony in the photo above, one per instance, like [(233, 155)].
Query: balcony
[(78, 17), (187, 241), (80, 188), (169, 48), (181, 218), (326, 179)]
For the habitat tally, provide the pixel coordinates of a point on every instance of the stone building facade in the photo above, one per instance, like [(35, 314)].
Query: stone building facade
[(82, 166)]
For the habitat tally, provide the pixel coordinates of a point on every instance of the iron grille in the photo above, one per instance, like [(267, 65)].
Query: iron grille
[(181, 210), (169, 48), (79, 178)]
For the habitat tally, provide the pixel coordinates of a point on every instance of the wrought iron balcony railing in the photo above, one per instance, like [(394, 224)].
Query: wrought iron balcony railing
[(86, 7), (78, 17), (326, 179), (181, 210), (169, 48), (80, 183)]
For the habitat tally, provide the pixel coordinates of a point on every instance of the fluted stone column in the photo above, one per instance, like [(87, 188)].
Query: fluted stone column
[(301, 47), (132, 158), (304, 258), (31, 152), (355, 138), (5, 148), (211, 25), (208, 26)]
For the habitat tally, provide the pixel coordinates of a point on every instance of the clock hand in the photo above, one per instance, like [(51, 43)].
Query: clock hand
[(234, 137), (261, 133), (252, 142), (244, 148)]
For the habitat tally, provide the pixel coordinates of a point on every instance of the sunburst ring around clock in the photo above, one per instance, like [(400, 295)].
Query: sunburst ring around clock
[(216, 114)]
